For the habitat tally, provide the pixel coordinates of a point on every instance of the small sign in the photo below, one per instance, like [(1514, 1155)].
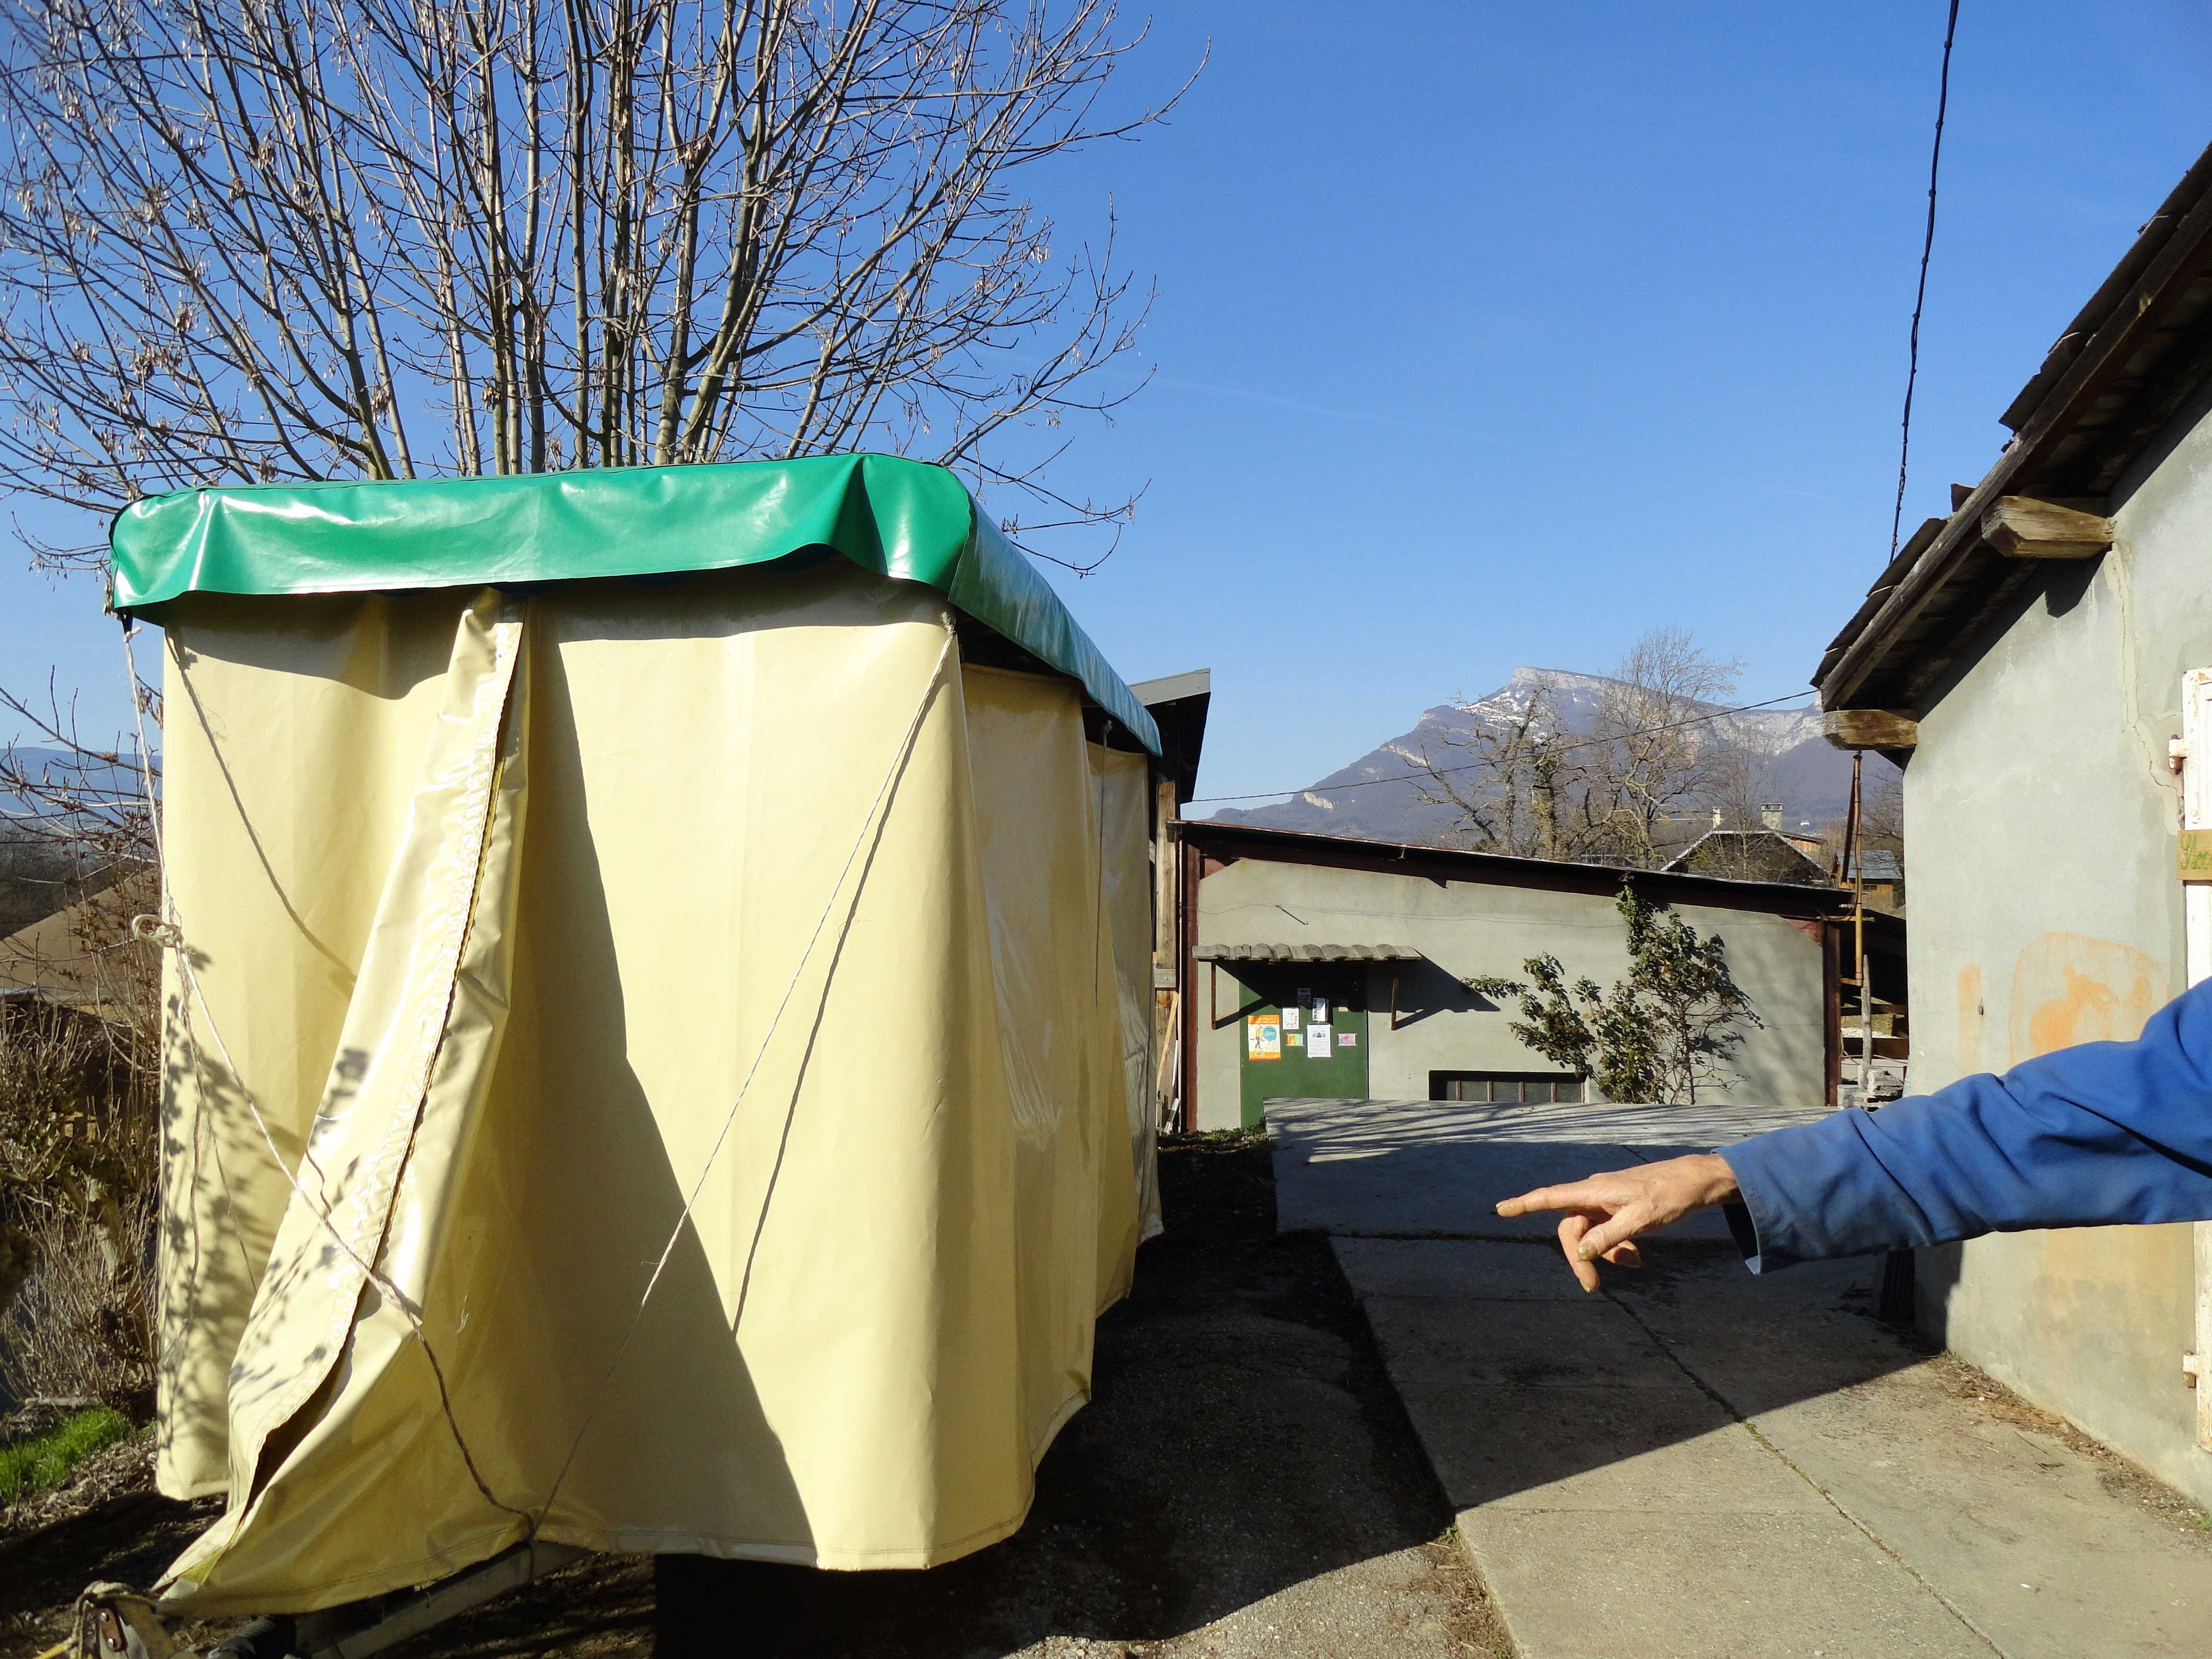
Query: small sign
[(1347, 1039), (1320, 1014), (1317, 1043), (1306, 993), (1263, 1037), (2196, 855), (1292, 1036)]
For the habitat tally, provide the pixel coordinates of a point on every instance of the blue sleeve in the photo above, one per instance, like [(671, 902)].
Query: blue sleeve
[(2104, 1132)]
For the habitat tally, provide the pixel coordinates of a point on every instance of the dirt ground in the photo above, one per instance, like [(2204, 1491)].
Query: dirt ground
[(1244, 1482)]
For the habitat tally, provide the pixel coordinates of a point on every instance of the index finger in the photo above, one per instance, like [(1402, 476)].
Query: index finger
[(1575, 1195)]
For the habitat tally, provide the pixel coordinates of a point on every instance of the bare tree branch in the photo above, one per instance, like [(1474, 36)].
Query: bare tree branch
[(265, 239)]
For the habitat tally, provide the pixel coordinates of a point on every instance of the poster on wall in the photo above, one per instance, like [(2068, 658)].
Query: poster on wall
[(1318, 1046), (1263, 1037), (1347, 1039)]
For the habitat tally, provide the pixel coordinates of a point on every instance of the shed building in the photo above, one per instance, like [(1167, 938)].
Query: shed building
[(1380, 938)]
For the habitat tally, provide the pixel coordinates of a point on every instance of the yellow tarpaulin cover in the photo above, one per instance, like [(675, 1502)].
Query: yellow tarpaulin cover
[(653, 1068)]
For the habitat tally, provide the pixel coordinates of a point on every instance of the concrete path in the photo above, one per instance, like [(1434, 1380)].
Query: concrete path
[(1424, 1169), (1698, 1461)]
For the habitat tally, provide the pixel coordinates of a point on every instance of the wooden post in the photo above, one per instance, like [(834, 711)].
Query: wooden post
[(1832, 1014), (1187, 942), (1167, 966), (2192, 758), (1854, 855)]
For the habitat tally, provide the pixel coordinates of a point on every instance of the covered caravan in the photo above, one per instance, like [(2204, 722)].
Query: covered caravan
[(659, 1013)]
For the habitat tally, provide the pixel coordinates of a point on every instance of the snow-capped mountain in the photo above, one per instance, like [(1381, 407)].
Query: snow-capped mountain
[(1377, 795)]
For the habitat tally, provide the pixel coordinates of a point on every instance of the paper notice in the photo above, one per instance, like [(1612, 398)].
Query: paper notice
[(1263, 1037)]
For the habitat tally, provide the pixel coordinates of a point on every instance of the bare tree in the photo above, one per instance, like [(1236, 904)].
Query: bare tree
[(1741, 799), (1518, 781), (244, 240), (1660, 752), (1521, 780)]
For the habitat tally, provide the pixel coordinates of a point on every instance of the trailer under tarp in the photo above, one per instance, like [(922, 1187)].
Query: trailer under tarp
[(658, 1039)]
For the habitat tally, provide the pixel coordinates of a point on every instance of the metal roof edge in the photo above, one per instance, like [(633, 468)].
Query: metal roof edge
[(1506, 869)]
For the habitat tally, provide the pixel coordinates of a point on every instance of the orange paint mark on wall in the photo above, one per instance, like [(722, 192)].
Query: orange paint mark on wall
[(1970, 1019), (2070, 988)]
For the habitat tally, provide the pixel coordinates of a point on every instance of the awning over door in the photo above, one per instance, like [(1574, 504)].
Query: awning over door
[(1305, 953)]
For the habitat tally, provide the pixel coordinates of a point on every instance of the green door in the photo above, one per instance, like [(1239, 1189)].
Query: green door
[(1277, 1012)]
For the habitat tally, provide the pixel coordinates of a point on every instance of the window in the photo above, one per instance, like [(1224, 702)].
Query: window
[(1507, 1088)]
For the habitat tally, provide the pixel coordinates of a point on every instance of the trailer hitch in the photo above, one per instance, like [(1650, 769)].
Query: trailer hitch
[(114, 1621)]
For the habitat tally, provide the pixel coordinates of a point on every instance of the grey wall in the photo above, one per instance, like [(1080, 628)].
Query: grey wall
[(1467, 929), (2040, 813)]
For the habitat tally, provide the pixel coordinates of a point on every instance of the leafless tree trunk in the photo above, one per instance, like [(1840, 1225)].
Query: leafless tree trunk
[(1528, 784), (1660, 754), (244, 240), (1514, 786)]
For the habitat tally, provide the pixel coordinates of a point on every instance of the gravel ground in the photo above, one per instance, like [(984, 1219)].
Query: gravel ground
[(1244, 1482)]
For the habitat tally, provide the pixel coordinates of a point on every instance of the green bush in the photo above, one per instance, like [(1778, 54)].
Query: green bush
[(46, 1460)]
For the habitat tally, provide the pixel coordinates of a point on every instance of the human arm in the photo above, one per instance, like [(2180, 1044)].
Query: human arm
[(2098, 1133)]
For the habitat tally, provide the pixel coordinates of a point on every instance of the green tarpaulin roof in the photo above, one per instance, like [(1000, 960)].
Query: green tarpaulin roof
[(899, 517)]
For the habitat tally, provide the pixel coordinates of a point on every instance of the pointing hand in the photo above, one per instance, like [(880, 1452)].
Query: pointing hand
[(1606, 1212)]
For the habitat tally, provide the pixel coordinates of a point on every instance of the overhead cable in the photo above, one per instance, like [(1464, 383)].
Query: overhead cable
[(1920, 299)]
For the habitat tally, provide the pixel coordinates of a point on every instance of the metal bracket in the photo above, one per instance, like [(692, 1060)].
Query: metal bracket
[(114, 1621), (342, 1633)]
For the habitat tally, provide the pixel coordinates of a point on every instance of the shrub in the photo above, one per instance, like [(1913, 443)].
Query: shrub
[(1669, 1029)]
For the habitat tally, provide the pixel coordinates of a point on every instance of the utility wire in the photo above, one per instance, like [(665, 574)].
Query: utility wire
[(1475, 766), (1920, 299)]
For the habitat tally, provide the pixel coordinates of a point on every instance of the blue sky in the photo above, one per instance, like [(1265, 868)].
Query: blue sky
[(1492, 335)]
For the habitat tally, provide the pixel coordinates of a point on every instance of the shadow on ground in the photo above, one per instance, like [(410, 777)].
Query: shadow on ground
[(1523, 1384), (1244, 1439)]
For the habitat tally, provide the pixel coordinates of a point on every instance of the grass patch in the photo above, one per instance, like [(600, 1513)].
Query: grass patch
[(46, 1460)]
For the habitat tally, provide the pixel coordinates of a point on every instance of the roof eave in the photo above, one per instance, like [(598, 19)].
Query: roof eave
[(2103, 393)]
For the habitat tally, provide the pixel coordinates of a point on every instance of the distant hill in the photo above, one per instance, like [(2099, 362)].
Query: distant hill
[(1793, 766), (98, 784), (37, 874)]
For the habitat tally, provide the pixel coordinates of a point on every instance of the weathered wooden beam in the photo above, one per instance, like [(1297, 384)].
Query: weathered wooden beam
[(1869, 729), (2022, 527)]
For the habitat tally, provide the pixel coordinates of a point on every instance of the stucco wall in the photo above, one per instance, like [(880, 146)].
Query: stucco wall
[(1466, 928), (2040, 822)]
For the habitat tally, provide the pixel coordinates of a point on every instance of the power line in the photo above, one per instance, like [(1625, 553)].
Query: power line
[(1475, 766), (1920, 299)]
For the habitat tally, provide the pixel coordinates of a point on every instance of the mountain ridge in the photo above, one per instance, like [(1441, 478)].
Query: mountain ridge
[(1377, 796)]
